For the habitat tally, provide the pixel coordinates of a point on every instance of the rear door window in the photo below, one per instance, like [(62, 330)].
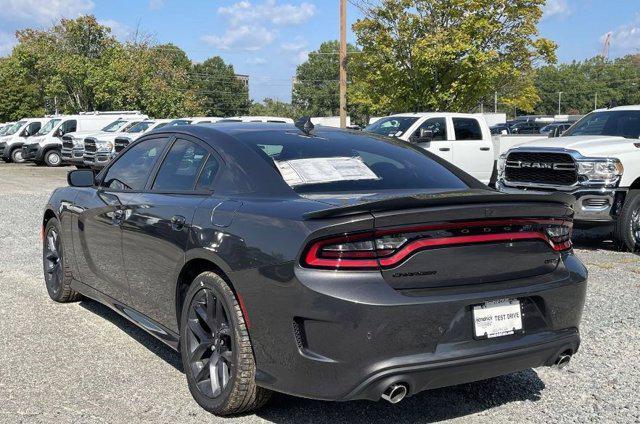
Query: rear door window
[(131, 171), (467, 129), (180, 169)]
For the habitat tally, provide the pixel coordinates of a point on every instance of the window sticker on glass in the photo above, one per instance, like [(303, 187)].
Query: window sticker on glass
[(324, 170)]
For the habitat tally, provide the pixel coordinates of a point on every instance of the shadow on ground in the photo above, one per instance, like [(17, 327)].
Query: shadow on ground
[(161, 350), (426, 407)]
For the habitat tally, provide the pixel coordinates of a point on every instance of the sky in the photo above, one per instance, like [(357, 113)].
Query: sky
[(267, 39)]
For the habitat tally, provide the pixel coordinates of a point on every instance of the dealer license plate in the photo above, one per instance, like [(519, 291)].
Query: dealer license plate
[(497, 318)]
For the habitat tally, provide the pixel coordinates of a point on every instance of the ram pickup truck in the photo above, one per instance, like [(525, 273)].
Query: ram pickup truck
[(597, 161), (460, 138)]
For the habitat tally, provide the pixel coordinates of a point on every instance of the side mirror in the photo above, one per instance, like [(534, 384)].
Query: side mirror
[(58, 133), (25, 133), (425, 136), (81, 178)]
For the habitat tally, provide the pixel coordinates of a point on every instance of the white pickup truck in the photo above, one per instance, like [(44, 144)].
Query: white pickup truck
[(460, 138), (597, 160)]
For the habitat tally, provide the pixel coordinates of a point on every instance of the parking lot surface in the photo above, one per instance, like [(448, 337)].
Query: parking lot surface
[(82, 363)]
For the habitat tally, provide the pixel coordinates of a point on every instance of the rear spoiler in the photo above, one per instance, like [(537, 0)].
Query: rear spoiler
[(452, 198)]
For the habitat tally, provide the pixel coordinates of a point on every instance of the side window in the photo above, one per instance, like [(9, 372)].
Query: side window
[(181, 167), (33, 128), (467, 129), (437, 125), (69, 126), (208, 174), (132, 169)]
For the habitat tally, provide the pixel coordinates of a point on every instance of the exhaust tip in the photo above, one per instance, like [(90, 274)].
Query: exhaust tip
[(395, 393), (563, 360)]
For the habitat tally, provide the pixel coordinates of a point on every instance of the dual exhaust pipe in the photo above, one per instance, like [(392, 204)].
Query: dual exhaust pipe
[(398, 391)]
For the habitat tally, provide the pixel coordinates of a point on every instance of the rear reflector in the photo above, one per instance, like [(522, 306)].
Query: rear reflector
[(388, 248)]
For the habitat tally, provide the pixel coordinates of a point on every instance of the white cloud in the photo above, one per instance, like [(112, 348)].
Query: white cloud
[(43, 12), (268, 12), (119, 30), (625, 39), (242, 38), (556, 8), (7, 42), (256, 61), (296, 44), (156, 4)]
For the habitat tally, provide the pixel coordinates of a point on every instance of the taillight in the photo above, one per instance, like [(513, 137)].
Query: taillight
[(387, 248)]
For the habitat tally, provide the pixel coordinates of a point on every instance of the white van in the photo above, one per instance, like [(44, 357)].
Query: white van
[(11, 143), (460, 138), (99, 149), (72, 151)]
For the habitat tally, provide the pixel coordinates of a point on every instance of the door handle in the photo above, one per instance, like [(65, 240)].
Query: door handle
[(485, 149), (177, 222), (444, 149)]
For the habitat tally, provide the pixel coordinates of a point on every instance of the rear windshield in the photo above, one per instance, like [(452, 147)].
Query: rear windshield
[(347, 162), (622, 123)]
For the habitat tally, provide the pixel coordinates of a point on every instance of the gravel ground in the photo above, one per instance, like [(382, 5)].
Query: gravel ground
[(82, 363)]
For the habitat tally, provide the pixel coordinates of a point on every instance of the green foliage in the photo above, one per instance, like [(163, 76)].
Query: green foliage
[(272, 107), (447, 55), (586, 85), (77, 65), (316, 89), (221, 93)]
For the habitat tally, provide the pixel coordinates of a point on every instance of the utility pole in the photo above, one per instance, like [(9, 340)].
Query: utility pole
[(559, 102), (495, 102), (343, 63), (595, 102)]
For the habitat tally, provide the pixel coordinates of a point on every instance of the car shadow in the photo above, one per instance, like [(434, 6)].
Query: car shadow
[(426, 407), (155, 346)]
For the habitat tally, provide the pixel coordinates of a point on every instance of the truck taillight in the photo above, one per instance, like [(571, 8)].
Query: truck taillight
[(387, 248)]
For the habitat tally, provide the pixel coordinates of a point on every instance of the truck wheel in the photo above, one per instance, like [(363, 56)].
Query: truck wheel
[(627, 227), (53, 158), (16, 155), (216, 350)]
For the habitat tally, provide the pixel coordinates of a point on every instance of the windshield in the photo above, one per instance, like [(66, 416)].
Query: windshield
[(621, 123), (48, 127), (15, 127), (115, 126), (140, 127), (337, 162), (391, 126)]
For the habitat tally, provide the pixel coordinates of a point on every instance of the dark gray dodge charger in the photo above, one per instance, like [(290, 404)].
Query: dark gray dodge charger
[(322, 263)]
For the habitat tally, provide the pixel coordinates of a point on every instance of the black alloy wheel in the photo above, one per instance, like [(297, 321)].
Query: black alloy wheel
[(57, 275), (627, 225), (216, 349), (209, 343), (52, 252)]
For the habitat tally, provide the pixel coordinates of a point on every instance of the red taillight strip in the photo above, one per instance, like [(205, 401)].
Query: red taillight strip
[(416, 245), (312, 256)]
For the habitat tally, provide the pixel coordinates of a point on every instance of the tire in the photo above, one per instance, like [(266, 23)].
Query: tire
[(16, 155), (57, 275), (205, 337), (626, 232), (53, 158)]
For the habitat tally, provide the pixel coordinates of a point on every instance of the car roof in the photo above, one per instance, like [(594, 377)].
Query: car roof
[(427, 114)]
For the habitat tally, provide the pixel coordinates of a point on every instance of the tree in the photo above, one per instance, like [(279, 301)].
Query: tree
[(447, 55), (588, 84), (316, 88), (272, 107), (219, 90)]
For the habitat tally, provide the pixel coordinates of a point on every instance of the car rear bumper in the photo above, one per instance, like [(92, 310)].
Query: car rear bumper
[(346, 336)]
